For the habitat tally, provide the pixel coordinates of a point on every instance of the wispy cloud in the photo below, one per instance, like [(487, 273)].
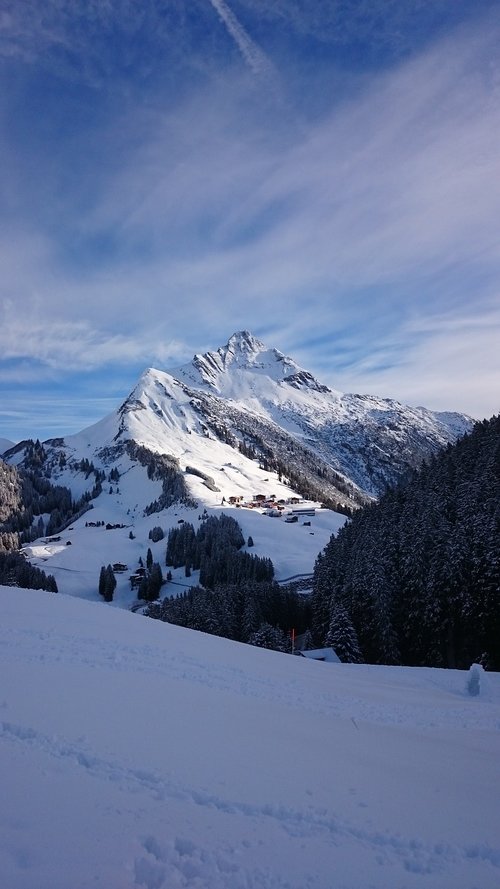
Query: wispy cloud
[(403, 180), (438, 361), (255, 58), (75, 345), (215, 214)]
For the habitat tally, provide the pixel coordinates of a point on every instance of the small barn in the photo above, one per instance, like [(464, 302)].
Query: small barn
[(320, 654)]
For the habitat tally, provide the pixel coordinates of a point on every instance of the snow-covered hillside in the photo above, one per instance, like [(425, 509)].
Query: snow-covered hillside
[(75, 558), (232, 424), (137, 755)]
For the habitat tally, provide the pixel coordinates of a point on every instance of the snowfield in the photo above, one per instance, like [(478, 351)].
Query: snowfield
[(138, 754), (243, 394), (293, 548)]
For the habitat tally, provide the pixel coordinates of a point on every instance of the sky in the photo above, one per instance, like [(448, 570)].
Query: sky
[(325, 175)]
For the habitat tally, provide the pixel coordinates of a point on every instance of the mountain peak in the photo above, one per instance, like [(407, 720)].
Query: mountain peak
[(244, 367), (242, 352), (244, 341)]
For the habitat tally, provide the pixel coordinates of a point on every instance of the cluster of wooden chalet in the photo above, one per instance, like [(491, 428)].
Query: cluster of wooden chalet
[(270, 504), (136, 577)]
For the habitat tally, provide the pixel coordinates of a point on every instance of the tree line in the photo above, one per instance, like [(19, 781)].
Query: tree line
[(416, 577), (260, 613), (215, 551), (165, 468), (237, 597), (15, 570), (31, 506)]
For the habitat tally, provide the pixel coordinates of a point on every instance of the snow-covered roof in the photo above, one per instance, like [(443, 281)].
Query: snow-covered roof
[(321, 654)]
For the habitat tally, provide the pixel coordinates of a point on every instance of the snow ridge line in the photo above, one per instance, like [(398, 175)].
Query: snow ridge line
[(176, 666), (307, 576), (417, 856)]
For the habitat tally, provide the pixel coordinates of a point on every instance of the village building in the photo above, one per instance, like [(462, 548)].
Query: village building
[(327, 655)]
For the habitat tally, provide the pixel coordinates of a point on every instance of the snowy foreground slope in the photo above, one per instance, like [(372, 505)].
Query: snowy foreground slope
[(136, 754)]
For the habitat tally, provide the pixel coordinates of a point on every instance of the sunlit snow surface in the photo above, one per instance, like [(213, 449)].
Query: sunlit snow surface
[(293, 548), (136, 754)]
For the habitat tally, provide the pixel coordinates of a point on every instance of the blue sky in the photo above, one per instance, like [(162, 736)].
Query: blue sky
[(326, 175)]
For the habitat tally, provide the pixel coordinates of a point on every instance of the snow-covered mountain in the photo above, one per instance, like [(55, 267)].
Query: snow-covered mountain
[(249, 405), (232, 424), (250, 396), (369, 440)]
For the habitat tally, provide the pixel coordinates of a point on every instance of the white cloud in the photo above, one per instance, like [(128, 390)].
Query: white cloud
[(253, 55), (404, 180), (224, 217), (443, 362), (75, 345)]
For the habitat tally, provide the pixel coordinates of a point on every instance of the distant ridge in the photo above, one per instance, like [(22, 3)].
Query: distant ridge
[(254, 401)]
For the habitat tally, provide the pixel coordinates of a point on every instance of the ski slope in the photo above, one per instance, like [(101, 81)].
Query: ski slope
[(138, 755)]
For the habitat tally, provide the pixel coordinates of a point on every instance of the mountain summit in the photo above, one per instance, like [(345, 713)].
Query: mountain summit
[(231, 427), (245, 356), (371, 441), (250, 406)]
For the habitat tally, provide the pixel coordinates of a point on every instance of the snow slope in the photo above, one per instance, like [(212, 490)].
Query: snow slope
[(368, 439), (293, 548), (137, 754)]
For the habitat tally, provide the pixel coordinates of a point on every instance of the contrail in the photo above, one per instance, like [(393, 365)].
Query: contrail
[(253, 55)]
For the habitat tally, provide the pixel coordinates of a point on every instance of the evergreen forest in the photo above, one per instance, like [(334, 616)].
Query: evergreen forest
[(415, 578), (15, 570), (31, 505), (237, 596)]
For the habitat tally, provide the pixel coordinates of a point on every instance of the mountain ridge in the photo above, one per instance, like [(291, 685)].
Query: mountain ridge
[(255, 400), (261, 428), (368, 439)]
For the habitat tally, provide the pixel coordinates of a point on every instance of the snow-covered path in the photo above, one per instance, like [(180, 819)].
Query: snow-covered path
[(135, 754)]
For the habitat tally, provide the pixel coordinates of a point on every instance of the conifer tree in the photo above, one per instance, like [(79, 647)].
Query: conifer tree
[(156, 580), (107, 583), (342, 637), (271, 637), (102, 581)]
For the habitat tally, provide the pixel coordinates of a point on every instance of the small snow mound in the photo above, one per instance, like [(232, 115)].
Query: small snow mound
[(474, 680), (478, 683)]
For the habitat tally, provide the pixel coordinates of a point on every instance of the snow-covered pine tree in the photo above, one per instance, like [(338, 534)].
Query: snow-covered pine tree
[(342, 637), (270, 637)]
